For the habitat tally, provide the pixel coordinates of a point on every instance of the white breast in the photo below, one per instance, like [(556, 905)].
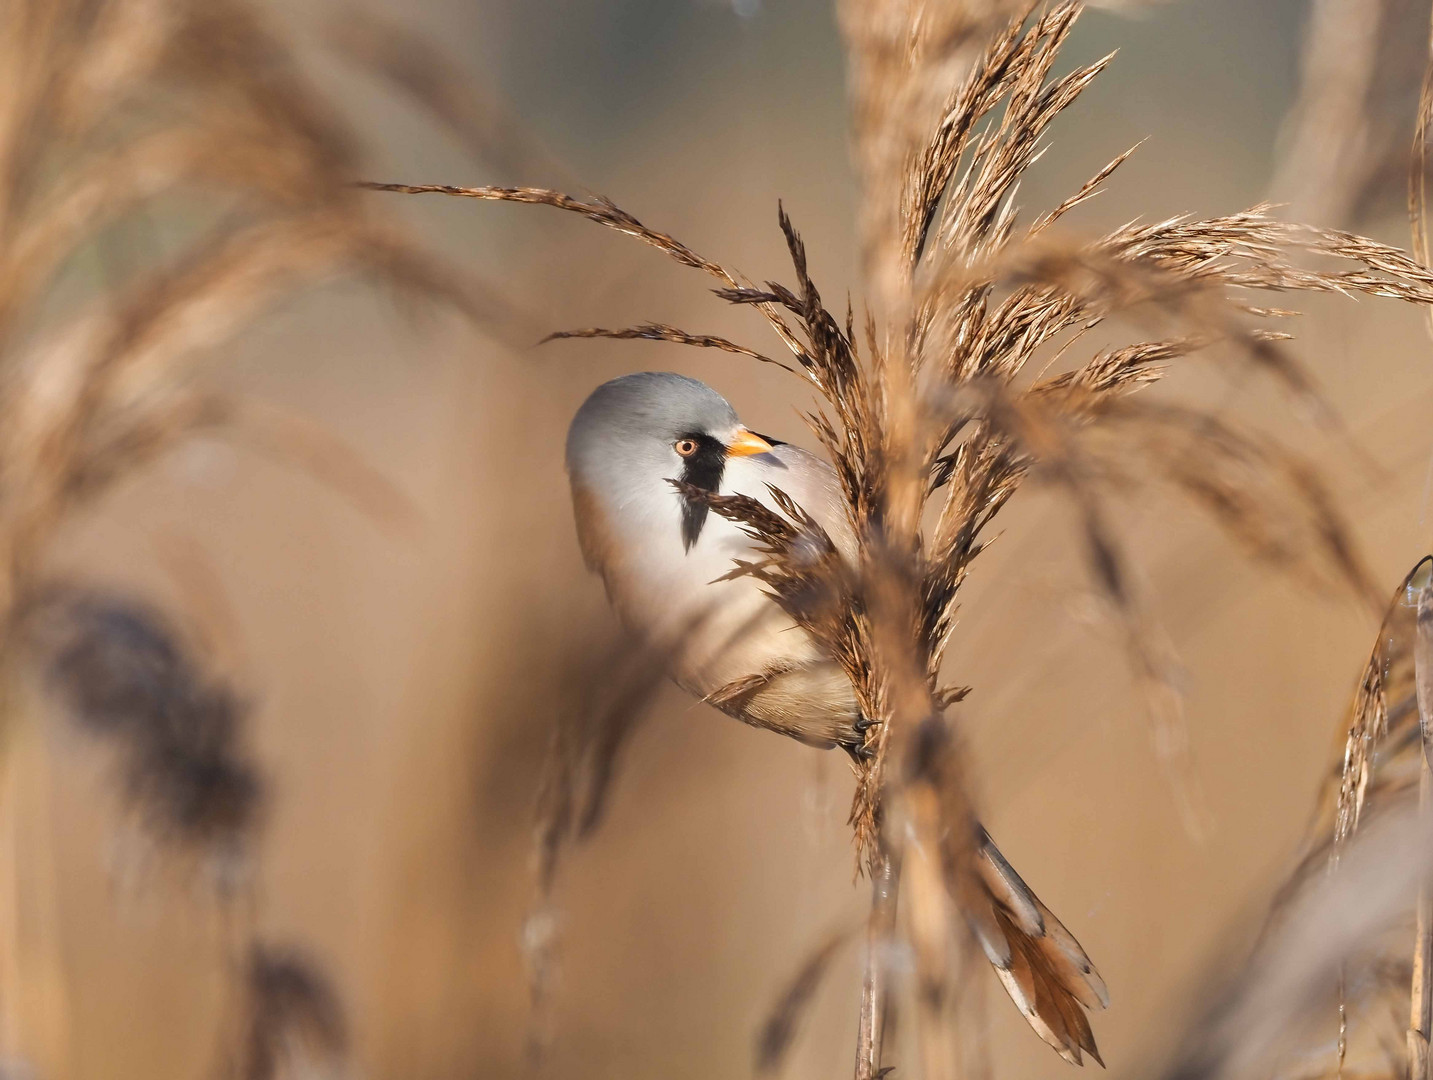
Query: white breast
[(728, 630)]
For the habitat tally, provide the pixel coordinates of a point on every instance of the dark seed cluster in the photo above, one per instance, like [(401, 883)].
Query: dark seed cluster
[(126, 676), (295, 1023)]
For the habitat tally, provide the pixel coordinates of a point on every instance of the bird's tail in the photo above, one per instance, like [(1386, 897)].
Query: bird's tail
[(1042, 966)]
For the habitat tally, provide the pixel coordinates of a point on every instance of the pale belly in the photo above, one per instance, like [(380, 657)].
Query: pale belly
[(731, 644)]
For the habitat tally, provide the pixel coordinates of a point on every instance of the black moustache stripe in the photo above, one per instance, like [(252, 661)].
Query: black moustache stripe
[(702, 470)]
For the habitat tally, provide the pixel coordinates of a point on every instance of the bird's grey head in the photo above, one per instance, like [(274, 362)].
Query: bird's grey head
[(636, 432)]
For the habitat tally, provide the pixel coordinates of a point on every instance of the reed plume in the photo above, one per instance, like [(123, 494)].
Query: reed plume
[(931, 413), (126, 676)]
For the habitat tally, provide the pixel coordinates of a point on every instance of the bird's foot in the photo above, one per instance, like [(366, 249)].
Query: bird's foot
[(860, 750)]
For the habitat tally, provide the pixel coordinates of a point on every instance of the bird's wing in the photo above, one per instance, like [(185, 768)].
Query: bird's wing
[(813, 484), (594, 534)]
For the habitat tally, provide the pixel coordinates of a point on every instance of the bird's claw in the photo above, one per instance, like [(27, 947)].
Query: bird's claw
[(858, 753), (860, 750)]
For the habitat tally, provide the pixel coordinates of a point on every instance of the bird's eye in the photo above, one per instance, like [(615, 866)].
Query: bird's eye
[(685, 447)]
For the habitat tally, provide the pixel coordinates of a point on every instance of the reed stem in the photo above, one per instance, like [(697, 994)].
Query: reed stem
[(1420, 1023), (876, 987)]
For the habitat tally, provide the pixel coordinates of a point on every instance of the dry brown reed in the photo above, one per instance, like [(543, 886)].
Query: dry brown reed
[(110, 111), (293, 1026), (779, 1030), (1268, 1017), (1345, 140), (130, 680), (1418, 165), (196, 113), (1386, 753), (474, 114), (1364, 864), (932, 407), (970, 375), (127, 677), (604, 695), (1377, 774)]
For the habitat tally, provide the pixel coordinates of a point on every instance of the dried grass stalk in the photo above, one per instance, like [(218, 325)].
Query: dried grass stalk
[(875, 983), (1263, 1014), (1418, 167), (486, 126), (1344, 148), (110, 110), (603, 697), (1420, 1023), (779, 1029), (1329, 163), (1378, 771)]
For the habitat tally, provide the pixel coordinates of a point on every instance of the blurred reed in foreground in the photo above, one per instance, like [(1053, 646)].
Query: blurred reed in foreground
[(125, 677), (114, 116)]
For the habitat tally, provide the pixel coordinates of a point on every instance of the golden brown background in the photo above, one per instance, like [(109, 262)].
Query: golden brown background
[(403, 672)]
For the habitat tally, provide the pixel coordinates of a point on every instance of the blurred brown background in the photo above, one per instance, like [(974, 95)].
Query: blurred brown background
[(404, 673)]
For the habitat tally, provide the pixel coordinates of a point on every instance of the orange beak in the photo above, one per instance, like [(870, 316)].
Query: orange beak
[(747, 443)]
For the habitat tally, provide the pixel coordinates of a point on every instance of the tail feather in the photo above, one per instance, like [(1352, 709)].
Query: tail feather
[(1073, 965), (1039, 962)]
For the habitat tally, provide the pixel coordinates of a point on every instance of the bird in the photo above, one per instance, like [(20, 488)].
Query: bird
[(637, 451)]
